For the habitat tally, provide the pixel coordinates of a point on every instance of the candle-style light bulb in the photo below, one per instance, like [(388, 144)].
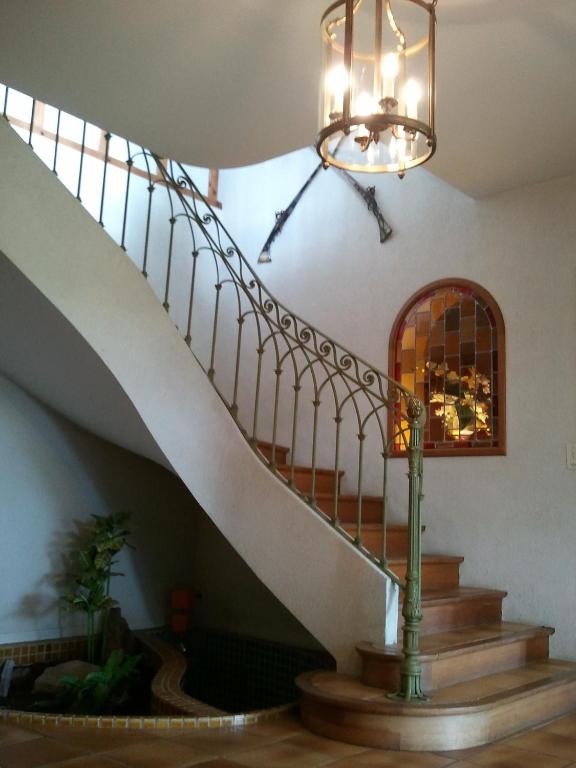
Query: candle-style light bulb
[(363, 104), (390, 67), (412, 95), (337, 82)]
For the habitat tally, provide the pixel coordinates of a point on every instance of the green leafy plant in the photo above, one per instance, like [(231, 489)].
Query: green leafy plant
[(106, 536), (101, 692)]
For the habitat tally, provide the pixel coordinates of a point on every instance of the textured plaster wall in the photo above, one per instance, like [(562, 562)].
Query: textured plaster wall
[(514, 516)]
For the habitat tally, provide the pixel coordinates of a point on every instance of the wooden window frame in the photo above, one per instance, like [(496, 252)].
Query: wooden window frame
[(476, 290), (157, 178)]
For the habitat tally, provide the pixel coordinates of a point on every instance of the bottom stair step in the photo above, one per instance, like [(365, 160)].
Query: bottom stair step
[(462, 716), (457, 656)]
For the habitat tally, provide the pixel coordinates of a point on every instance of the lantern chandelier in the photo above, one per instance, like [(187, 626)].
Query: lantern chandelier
[(378, 92)]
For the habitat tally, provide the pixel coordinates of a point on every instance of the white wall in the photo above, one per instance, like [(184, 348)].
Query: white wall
[(513, 517), (53, 476)]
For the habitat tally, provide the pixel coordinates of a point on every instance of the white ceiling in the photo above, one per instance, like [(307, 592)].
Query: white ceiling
[(233, 82)]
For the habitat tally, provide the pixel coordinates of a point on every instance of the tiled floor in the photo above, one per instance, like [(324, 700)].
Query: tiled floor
[(276, 744)]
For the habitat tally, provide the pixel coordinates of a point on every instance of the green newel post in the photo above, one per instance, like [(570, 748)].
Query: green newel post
[(410, 669)]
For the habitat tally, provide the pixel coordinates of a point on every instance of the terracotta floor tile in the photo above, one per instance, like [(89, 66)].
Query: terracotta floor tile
[(99, 739), (89, 761), (10, 734), (376, 758), (220, 762), (280, 728), (35, 752), (461, 754), (462, 764), (547, 743), (566, 726), (329, 747), (219, 742), (159, 754), (279, 754), (503, 756)]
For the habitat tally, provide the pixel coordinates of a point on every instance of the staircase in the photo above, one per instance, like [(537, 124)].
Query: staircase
[(485, 678)]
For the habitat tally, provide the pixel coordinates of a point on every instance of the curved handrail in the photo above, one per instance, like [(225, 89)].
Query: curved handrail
[(279, 376)]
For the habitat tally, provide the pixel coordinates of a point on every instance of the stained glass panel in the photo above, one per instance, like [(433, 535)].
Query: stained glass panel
[(447, 352)]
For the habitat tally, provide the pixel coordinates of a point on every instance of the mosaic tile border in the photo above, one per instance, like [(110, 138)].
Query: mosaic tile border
[(172, 707)]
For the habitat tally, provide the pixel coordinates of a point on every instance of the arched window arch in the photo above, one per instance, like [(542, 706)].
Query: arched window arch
[(448, 346)]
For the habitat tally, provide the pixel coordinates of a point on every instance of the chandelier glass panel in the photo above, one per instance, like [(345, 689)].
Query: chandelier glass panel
[(378, 85)]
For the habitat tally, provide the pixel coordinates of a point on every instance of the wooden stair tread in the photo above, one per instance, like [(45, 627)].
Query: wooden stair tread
[(439, 596), (348, 497), (482, 692), (460, 716), (377, 527), (429, 559), (462, 639), (301, 468)]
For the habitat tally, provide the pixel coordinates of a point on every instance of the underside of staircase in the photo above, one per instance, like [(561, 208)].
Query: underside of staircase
[(485, 678)]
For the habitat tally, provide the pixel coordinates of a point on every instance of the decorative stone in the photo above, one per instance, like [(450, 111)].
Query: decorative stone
[(118, 635), (48, 682)]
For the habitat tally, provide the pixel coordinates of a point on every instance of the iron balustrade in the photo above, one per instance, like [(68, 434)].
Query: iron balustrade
[(281, 378)]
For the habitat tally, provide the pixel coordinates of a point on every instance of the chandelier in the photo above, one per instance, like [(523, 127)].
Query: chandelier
[(378, 91)]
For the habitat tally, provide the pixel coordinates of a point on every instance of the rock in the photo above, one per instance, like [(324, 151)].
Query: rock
[(48, 682), (118, 635)]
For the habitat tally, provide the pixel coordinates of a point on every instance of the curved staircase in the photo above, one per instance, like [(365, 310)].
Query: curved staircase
[(487, 678)]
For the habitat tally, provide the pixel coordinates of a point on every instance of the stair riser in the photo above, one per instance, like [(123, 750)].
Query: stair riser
[(442, 731), (460, 613), (348, 510), (434, 575), (303, 480), (384, 672), (280, 456), (396, 541)]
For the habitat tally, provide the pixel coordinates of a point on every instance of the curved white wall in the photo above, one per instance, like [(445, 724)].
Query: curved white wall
[(336, 594)]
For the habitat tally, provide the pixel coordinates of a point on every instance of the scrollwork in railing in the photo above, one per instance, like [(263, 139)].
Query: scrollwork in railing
[(283, 380)]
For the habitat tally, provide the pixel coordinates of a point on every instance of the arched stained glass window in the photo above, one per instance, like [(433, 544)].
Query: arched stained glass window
[(447, 346)]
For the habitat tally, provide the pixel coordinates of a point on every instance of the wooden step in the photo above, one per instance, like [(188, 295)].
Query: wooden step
[(303, 478), (439, 572), (459, 655), (281, 453), (457, 717), (443, 610), (396, 539), (348, 507)]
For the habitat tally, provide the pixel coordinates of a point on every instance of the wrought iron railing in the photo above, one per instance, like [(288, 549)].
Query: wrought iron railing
[(283, 381)]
